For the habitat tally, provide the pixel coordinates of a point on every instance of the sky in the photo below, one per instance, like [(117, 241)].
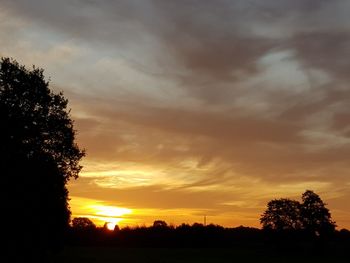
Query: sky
[(194, 108)]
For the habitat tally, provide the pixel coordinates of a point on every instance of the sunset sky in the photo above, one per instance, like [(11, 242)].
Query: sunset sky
[(193, 108)]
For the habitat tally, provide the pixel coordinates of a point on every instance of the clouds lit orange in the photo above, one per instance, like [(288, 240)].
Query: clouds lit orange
[(189, 109)]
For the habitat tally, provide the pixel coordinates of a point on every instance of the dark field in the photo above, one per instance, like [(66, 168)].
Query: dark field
[(172, 255)]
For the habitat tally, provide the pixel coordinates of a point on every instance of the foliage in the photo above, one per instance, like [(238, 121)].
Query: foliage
[(83, 223), (209, 236), (38, 153), (159, 224), (316, 217), (184, 235), (310, 216), (36, 120), (282, 214)]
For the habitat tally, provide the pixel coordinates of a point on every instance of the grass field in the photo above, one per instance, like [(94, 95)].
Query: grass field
[(177, 255)]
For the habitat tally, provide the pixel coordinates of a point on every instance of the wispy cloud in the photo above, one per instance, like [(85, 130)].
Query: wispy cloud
[(197, 105)]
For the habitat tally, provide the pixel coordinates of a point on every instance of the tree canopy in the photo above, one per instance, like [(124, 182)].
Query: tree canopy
[(38, 152), (282, 214), (311, 215), (83, 223), (159, 224), (316, 217)]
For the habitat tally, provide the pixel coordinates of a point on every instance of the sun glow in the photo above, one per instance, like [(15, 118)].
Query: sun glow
[(110, 225), (98, 212), (112, 211), (111, 214)]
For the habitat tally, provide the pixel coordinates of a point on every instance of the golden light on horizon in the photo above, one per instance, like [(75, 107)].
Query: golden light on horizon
[(97, 212), (111, 214), (110, 211), (110, 226)]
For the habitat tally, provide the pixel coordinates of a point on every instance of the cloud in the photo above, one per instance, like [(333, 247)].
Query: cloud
[(324, 50), (197, 98)]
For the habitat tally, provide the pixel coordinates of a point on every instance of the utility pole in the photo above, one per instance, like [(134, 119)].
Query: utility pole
[(205, 220)]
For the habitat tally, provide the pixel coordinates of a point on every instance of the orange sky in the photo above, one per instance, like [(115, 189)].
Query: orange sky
[(195, 108)]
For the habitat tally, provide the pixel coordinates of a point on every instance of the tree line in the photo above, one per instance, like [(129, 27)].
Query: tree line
[(309, 218), (83, 232), (287, 225)]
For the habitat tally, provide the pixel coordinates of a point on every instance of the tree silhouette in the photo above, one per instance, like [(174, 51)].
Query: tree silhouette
[(83, 223), (311, 215), (160, 224), (38, 155), (282, 214), (316, 217)]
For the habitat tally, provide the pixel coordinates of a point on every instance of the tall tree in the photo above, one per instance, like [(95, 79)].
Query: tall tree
[(282, 215), (38, 156), (311, 215), (316, 217)]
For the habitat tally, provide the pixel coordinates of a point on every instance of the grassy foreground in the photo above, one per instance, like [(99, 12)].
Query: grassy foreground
[(193, 255)]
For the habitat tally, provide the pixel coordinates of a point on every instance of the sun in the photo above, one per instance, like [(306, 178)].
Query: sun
[(110, 225), (110, 215)]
